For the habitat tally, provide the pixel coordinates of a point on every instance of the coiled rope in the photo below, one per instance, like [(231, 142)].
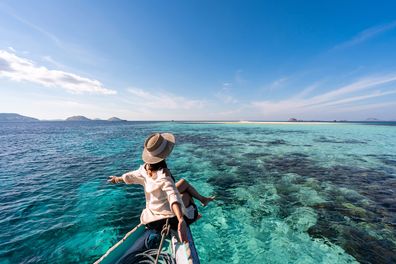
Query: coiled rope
[(151, 256), (165, 258)]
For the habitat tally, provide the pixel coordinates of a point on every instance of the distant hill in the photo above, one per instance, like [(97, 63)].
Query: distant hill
[(78, 118), (12, 117), (116, 119), (372, 119)]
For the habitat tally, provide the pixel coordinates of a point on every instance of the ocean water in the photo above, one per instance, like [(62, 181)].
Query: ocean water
[(284, 193)]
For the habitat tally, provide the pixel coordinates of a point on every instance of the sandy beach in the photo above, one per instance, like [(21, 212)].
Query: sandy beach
[(266, 123)]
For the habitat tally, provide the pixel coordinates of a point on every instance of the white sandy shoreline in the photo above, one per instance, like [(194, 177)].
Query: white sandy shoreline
[(267, 123)]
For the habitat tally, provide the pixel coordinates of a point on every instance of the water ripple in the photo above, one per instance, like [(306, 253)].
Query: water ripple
[(307, 194)]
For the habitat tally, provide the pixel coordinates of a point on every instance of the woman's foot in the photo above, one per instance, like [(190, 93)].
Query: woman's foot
[(206, 200)]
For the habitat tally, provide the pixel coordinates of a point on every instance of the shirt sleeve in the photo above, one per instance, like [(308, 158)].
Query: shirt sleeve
[(133, 177), (169, 187)]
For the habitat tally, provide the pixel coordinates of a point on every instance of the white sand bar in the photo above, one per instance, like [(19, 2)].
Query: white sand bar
[(267, 123)]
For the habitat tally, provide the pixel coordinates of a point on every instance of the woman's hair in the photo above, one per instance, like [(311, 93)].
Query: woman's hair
[(151, 168), (155, 167)]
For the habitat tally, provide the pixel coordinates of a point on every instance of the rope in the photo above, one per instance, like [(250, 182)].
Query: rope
[(164, 233), (148, 257)]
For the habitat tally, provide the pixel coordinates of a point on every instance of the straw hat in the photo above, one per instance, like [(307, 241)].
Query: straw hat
[(157, 147)]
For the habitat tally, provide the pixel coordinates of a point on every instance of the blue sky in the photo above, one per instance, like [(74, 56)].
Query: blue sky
[(199, 60)]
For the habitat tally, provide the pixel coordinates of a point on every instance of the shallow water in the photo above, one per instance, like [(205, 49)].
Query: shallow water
[(284, 193)]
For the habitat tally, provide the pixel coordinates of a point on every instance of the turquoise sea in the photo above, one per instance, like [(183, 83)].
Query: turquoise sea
[(284, 193)]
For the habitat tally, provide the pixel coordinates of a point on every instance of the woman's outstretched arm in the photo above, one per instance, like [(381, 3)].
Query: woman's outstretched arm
[(115, 179), (132, 177)]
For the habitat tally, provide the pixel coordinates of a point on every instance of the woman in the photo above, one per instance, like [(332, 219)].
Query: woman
[(163, 200)]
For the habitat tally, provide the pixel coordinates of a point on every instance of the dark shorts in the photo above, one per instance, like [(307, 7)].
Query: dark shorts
[(190, 221), (159, 224)]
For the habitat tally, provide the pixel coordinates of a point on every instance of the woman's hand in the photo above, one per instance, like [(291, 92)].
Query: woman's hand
[(182, 230), (114, 179)]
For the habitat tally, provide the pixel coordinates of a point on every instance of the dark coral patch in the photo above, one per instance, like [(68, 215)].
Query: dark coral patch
[(323, 139), (276, 142)]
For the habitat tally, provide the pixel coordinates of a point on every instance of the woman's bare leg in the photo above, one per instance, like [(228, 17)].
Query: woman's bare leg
[(183, 186), (187, 201)]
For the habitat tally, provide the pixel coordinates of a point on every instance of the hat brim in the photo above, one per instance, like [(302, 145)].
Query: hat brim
[(170, 142)]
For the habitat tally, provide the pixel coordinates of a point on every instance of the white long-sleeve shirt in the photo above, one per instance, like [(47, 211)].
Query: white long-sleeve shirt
[(160, 191)]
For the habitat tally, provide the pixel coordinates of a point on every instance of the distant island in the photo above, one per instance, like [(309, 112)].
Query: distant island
[(116, 119), (78, 118), (83, 118), (12, 117)]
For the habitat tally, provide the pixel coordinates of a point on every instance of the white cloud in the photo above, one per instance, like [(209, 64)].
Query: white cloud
[(363, 84), (276, 84), (224, 94), (57, 108), (365, 107), (162, 100), (359, 98), (279, 81), (328, 102), (233, 113), (39, 29), (74, 50), (50, 60), (366, 34), (24, 70), (305, 92)]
